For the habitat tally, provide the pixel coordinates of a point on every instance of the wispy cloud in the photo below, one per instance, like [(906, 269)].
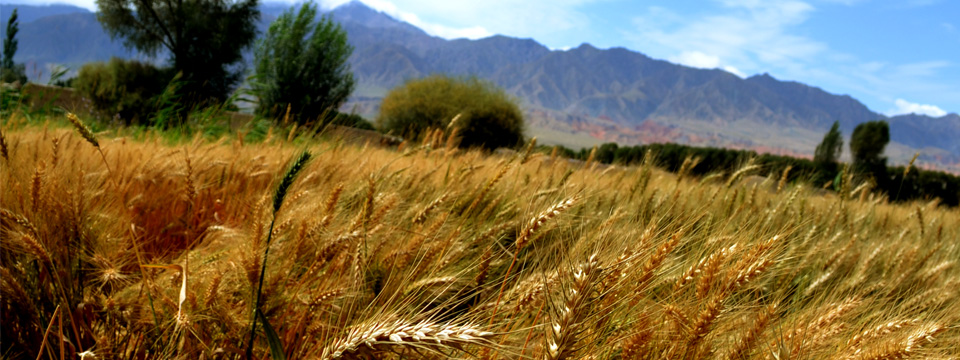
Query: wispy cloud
[(451, 19), (921, 3), (748, 34), (845, 2), (753, 36), (906, 107), (410, 16), (890, 83)]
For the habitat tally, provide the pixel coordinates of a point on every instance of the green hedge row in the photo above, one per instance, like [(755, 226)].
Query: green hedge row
[(917, 185)]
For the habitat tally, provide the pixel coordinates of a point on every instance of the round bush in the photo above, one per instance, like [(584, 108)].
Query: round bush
[(489, 118), (123, 88)]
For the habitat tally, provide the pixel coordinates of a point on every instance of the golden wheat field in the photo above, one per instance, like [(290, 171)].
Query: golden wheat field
[(137, 249)]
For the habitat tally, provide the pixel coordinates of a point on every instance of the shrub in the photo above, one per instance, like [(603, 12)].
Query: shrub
[(489, 118), (122, 88), (348, 119)]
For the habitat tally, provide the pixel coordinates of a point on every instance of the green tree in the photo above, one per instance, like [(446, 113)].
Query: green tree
[(489, 118), (827, 154), (301, 62), (204, 38), (607, 153), (12, 72), (828, 151), (866, 144)]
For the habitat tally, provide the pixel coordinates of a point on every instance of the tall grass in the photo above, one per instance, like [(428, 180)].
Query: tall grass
[(439, 254)]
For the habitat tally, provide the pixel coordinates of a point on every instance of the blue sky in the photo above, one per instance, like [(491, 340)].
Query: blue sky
[(894, 56)]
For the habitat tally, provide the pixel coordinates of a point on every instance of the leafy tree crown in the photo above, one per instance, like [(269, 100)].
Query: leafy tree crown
[(204, 38), (828, 151), (9, 71), (301, 62)]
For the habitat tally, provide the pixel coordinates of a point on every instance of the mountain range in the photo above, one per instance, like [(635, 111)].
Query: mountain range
[(577, 97)]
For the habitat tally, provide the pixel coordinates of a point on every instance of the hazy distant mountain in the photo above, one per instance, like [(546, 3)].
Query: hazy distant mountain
[(922, 131), (59, 34), (576, 97), (67, 39), (28, 13)]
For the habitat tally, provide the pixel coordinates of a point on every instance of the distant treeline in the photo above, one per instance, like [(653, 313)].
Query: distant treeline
[(917, 185)]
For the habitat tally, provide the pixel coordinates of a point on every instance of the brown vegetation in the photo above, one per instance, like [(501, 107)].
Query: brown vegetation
[(435, 252)]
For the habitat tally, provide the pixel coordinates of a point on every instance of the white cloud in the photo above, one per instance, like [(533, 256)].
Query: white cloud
[(733, 70), (696, 59), (906, 107), (703, 61), (88, 4)]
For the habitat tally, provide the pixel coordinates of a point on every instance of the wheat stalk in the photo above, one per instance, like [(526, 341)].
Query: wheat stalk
[(281, 192)]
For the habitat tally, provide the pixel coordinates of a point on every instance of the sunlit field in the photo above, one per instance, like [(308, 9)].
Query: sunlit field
[(140, 248)]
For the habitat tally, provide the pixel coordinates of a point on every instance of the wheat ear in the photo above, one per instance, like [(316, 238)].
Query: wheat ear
[(537, 222), (422, 215), (365, 341), (88, 135), (904, 348), (741, 349), (879, 331), (3, 147), (562, 332), (654, 262), (524, 237)]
